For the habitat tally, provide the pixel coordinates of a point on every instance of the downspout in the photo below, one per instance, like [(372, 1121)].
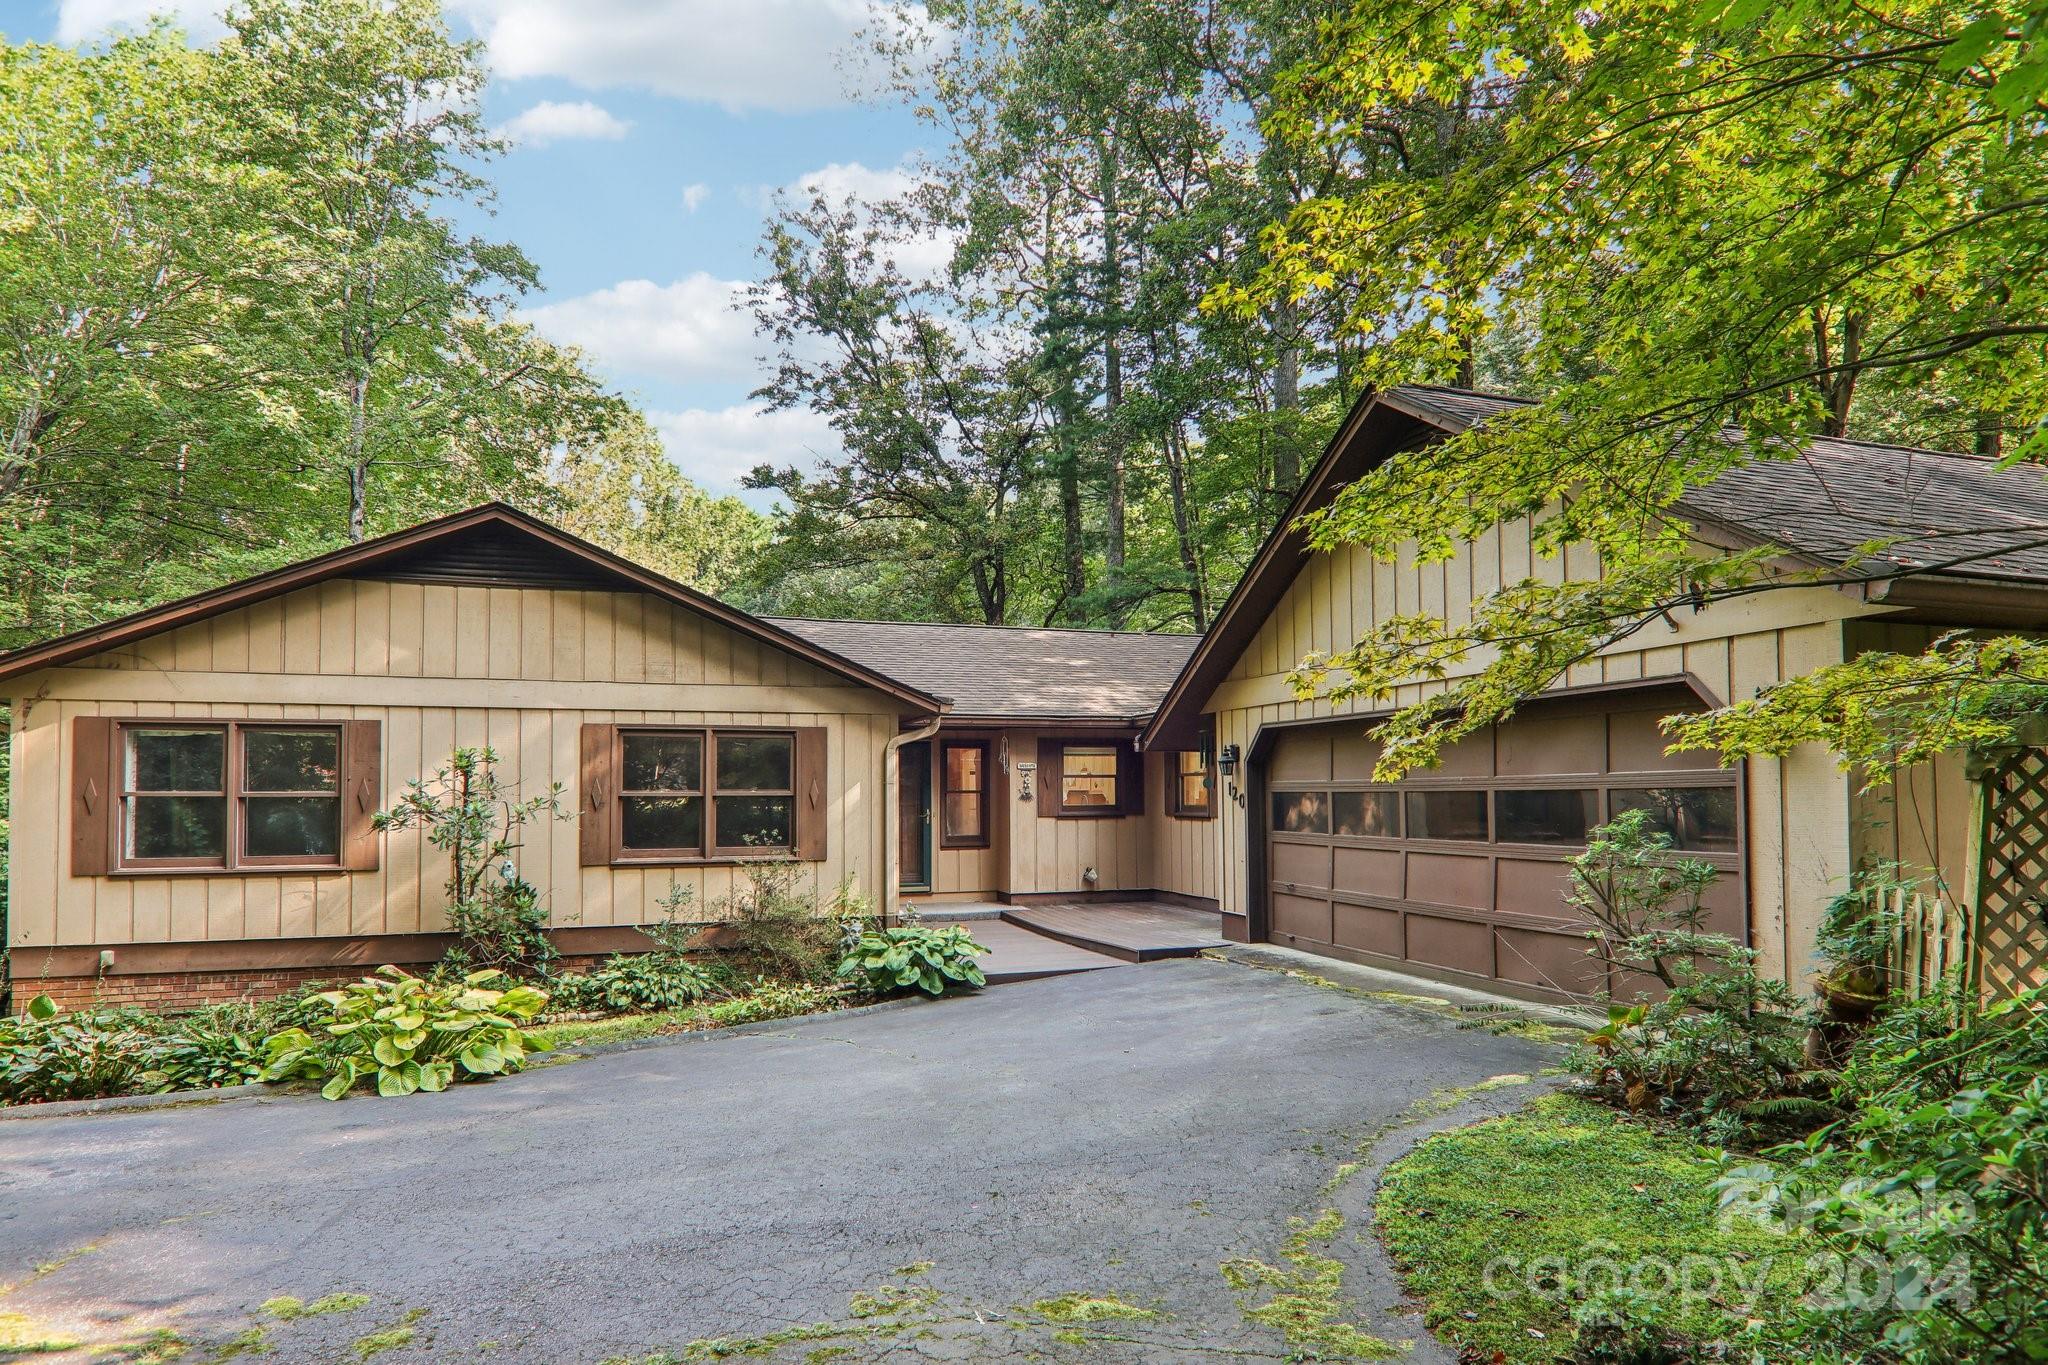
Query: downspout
[(892, 818)]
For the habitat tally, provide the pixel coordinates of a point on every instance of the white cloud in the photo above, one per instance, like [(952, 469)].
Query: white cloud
[(782, 55), (693, 330), (694, 196), (921, 256), (79, 20), (852, 180), (719, 446), (549, 122)]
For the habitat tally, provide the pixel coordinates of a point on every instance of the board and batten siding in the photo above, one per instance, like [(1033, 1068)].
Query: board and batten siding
[(440, 666), (1799, 806), (1034, 854), (1923, 820), (1185, 852), (1046, 855)]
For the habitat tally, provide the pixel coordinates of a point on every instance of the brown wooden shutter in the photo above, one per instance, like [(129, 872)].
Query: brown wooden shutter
[(94, 786), (1049, 776), (813, 794), (362, 792), (1130, 779), (595, 796)]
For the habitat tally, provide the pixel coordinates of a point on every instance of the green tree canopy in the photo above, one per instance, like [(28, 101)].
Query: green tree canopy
[(237, 322), (1707, 234)]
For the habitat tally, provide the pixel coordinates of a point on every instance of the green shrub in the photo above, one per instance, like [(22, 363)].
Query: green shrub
[(914, 958), (576, 993), (205, 1049), (766, 999), (1931, 1202), (641, 981), (1721, 1047), (778, 925), (408, 1034), (50, 1055), (467, 810), (656, 981)]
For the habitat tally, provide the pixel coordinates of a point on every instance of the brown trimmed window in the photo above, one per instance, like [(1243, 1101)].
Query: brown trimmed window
[(1087, 777), (185, 796), (963, 793), (662, 794), (1192, 791)]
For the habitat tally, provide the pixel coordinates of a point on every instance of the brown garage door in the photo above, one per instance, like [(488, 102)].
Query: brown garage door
[(1461, 870)]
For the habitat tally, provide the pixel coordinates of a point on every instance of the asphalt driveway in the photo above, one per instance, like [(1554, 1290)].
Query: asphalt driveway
[(1014, 1175)]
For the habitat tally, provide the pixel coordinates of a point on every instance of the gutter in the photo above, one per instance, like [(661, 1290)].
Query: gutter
[(892, 817)]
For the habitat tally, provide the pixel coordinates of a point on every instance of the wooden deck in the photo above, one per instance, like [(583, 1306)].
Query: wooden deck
[(1139, 931), (1019, 955)]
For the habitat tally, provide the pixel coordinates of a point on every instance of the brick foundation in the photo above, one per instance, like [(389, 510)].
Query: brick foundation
[(173, 990), (183, 990)]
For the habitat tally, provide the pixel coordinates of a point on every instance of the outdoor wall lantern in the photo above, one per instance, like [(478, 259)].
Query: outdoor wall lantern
[(1226, 763)]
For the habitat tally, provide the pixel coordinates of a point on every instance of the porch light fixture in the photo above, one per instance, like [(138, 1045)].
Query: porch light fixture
[(1226, 760)]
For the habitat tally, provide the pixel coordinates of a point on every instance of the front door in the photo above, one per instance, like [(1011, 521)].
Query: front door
[(914, 800)]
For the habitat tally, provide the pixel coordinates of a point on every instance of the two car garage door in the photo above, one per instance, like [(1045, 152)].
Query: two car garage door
[(1460, 870)]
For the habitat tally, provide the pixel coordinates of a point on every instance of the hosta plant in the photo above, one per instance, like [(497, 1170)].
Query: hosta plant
[(641, 981), (50, 1055), (914, 958), (407, 1034)]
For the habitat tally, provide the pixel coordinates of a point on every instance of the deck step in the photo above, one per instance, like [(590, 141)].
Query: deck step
[(1020, 955), (1137, 932), (942, 913)]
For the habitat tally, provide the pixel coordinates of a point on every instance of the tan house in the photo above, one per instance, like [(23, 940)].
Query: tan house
[(193, 785)]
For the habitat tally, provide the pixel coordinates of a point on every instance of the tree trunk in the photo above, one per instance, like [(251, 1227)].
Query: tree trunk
[(1838, 374), (1073, 551), (1184, 523), (1990, 441), (1286, 400), (1112, 303), (988, 592), (358, 500)]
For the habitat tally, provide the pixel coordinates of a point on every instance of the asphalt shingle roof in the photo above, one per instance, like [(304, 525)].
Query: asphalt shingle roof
[(1960, 512), (1014, 671)]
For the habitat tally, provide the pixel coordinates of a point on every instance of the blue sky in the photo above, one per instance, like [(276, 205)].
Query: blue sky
[(649, 135)]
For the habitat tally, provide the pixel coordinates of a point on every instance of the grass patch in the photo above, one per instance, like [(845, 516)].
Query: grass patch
[(20, 1338), (1505, 1021), (1306, 1295), (286, 1308), (771, 1001), (1080, 1307), (1559, 1198), (160, 1347), (249, 1343), (620, 1028), (398, 1335)]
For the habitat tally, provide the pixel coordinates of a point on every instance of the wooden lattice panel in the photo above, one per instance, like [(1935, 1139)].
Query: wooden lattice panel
[(2012, 926)]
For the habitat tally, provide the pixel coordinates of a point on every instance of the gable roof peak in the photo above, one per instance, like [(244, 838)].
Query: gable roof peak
[(391, 554)]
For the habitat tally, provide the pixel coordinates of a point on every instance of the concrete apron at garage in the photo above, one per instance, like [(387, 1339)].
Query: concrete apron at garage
[(1118, 1134)]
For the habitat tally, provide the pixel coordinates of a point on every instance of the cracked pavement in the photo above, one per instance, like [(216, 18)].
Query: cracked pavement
[(1120, 1132)]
